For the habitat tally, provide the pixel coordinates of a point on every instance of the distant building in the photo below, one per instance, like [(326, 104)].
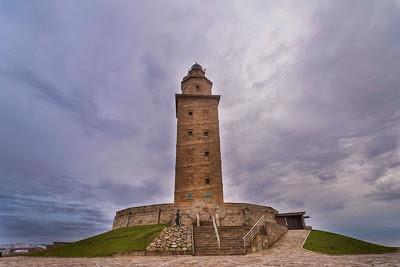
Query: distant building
[(20, 251), (60, 243), (4, 252)]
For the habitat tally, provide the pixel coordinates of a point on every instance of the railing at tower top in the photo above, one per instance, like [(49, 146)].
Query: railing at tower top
[(248, 237), (216, 233)]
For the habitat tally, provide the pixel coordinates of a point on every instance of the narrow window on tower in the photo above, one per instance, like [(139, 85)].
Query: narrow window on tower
[(206, 154), (205, 114), (197, 88), (189, 155), (190, 114), (207, 194), (205, 133), (207, 181), (190, 133)]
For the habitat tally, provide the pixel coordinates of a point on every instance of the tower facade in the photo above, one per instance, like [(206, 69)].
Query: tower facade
[(198, 175)]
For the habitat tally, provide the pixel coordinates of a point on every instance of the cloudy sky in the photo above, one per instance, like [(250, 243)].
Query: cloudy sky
[(309, 113)]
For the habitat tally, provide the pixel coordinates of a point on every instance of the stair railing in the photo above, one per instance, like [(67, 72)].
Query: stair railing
[(216, 233), (248, 237), (192, 240)]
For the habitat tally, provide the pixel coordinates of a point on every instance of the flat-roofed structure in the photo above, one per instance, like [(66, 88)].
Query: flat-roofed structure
[(292, 220)]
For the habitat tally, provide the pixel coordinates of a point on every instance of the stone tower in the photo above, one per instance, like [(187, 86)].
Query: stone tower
[(198, 175)]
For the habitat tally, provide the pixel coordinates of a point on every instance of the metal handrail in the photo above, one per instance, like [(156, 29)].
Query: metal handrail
[(248, 237), (192, 240), (216, 233)]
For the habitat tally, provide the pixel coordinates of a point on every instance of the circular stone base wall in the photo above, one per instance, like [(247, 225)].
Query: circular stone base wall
[(226, 214)]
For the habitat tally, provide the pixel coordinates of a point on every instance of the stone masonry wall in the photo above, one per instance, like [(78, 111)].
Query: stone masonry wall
[(237, 214), (274, 232), (173, 239), (227, 214), (192, 166), (198, 174), (152, 214), (269, 234)]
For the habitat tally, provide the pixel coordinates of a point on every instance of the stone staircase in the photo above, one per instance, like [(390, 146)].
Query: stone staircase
[(205, 242)]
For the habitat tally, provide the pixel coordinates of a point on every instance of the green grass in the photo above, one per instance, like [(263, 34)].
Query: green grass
[(107, 244), (331, 243)]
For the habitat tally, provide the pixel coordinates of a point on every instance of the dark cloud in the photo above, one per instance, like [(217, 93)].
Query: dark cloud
[(386, 192), (42, 209), (126, 194), (155, 78), (28, 229), (326, 176), (381, 144), (83, 107)]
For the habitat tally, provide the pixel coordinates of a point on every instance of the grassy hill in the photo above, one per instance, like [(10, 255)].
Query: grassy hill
[(331, 243), (107, 244)]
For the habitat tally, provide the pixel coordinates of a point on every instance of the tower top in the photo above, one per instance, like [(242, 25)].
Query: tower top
[(196, 66), (196, 71), (196, 82)]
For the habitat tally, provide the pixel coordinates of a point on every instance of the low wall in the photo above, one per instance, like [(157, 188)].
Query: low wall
[(274, 232), (238, 214), (269, 234), (227, 214), (152, 214), (172, 239)]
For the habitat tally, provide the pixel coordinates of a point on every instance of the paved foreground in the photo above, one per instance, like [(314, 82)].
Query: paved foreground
[(286, 252)]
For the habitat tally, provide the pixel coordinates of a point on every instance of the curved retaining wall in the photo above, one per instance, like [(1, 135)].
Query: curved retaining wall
[(269, 234), (228, 214)]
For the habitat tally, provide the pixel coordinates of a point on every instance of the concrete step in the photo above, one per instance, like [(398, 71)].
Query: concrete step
[(233, 228), (219, 252), (216, 253), (231, 237), (222, 249)]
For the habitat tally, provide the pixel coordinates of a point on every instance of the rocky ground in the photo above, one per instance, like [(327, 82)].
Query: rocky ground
[(286, 252), (172, 238)]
